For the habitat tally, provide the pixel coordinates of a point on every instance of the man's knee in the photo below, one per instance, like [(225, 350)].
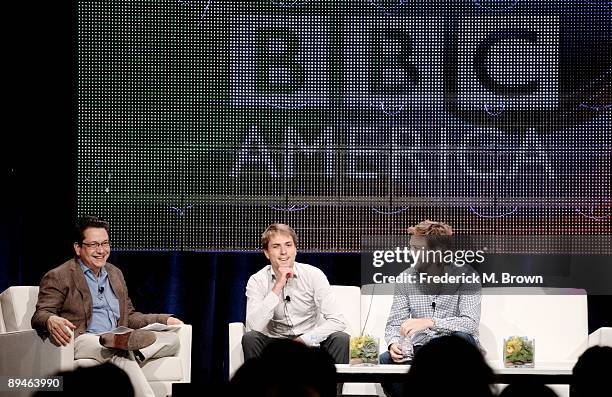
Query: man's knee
[(166, 344), (169, 338), (337, 345), (340, 338), (175, 341), (253, 344), (385, 358), (251, 338), (465, 336)]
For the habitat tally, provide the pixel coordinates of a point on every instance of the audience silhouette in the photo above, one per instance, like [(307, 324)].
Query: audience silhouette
[(97, 381), (590, 376), (446, 366), (449, 366), (285, 369)]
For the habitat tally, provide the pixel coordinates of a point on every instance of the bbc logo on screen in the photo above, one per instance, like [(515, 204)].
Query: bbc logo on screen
[(287, 61)]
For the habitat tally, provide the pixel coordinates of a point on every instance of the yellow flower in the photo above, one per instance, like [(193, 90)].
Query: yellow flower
[(357, 342), (515, 343), (509, 349)]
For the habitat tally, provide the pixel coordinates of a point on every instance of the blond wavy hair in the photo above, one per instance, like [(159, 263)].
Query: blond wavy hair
[(277, 228)]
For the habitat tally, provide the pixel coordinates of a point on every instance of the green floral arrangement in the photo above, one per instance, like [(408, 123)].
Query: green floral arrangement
[(364, 350), (518, 351)]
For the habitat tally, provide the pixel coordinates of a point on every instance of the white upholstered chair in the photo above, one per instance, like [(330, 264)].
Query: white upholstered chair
[(24, 354)]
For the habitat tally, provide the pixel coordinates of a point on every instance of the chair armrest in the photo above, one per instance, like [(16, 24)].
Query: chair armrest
[(25, 354), (236, 356), (601, 337), (185, 338)]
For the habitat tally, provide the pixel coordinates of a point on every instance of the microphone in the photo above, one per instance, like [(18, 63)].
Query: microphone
[(433, 306), (287, 298)]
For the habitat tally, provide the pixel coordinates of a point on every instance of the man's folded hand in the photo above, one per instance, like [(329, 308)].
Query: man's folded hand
[(61, 329)]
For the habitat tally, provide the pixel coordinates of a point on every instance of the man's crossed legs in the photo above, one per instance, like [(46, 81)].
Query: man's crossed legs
[(87, 346)]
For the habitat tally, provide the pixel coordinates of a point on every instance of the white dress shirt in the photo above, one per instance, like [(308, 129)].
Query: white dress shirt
[(306, 307)]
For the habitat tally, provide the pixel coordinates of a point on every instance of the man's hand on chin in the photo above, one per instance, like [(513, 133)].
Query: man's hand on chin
[(286, 272), (283, 274), (413, 325)]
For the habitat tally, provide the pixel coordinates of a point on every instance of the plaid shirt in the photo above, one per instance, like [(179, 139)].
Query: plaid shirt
[(456, 308)]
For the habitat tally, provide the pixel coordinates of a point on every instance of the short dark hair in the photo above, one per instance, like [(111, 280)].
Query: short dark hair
[(86, 222)]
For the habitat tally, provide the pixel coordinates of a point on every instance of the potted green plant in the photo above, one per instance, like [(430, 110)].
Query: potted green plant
[(364, 350), (519, 352)]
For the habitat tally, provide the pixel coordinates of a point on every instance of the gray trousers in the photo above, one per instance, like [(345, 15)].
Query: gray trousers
[(87, 346), (336, 345)]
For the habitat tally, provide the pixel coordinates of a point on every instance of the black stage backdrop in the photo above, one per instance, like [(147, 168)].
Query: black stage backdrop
[(39, 201)]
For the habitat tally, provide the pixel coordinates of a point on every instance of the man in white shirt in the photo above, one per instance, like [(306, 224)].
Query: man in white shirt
[(287, 299)]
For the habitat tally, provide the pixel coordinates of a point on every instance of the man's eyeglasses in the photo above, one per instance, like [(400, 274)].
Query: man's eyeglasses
[(96, 245)]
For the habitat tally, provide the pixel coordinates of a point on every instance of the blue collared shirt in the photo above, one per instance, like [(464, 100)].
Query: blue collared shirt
[(105, 304)]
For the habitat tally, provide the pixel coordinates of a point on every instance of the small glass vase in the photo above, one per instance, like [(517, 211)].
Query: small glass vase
[(519, 352), (364, 350)]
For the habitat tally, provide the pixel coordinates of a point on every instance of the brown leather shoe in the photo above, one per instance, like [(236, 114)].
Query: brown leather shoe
[(133, 340)]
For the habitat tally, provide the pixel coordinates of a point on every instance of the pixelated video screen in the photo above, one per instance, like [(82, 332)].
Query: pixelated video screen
[(201, 122)]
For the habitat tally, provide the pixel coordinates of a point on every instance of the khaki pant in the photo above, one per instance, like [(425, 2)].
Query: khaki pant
[(166, 344)]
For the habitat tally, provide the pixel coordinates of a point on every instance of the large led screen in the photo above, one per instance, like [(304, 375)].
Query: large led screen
[(201, 122)]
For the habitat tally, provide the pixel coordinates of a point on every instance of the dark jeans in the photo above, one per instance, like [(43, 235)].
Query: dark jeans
[(397, 389), (336, 345)]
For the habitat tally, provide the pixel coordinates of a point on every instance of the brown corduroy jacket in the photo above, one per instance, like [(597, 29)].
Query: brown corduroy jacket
[(64, 292)]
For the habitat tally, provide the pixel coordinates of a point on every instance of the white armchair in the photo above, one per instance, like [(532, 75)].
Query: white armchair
[(348, 299), (601, 337), (24, 354)]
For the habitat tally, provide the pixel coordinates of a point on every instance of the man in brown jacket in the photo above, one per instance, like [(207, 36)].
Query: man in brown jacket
[(88, 297)]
